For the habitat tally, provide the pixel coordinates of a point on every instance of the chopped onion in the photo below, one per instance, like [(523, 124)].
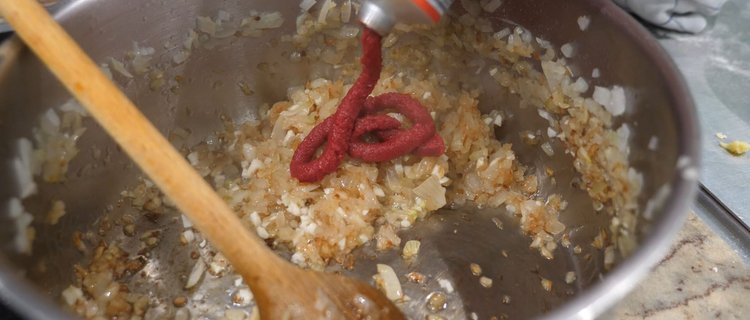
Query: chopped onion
[(190, 40), (492, 5), (50, 122), (498, 223), (188, 236), (180, 57), (206, 25), (567, 50), (254, 165), (119, 67), (609, 257), (25, 153), (248, 151), (223, 16), (140, 64), (653, 143), (389, 282), (390, 40), (554, 227), (501, 34), (186, 223), (56, 212), (234, 314), (613, 100), (526, 36), (485, 282), (580, 85), (71, 295), (253, 25), (583, 22), (105, 69), (182, 314), (195, 275), (543, 43), (72, 105), (224, 32), (255, 315), (323, 303), (15, 208), (545, 115), (270, 20), (244, 296), (551, 132), (471, 6), (255, 218), (546, 284), (141, 58), (446, 284), (23, 221), (599, 239), (475, 269), (498, 120), (298, 259), (617, 106), (142, 51), (327, 6), (305, 5), (547, 148), (570, 277), (300, 21), (432, 192), (23, 167), (262, 233), (595, 73), (411, 249), (379, 192), (348, 32), (623, 134), (346, 11), (554, 72)]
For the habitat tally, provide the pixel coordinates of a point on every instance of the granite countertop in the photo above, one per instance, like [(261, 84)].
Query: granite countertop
[(702, 277)]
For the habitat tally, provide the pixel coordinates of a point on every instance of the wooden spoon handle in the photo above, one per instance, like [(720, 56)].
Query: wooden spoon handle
[(140, 139)]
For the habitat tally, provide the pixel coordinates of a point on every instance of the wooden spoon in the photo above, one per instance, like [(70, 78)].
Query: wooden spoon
[(282, 291)]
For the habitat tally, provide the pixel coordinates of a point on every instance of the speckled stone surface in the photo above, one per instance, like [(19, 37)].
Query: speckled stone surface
[(702, 277)]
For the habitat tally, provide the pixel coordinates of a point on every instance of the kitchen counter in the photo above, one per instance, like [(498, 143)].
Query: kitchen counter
[(702, 277)]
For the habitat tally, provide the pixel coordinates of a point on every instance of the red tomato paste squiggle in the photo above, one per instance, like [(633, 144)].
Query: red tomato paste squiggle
[(357, 116)]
